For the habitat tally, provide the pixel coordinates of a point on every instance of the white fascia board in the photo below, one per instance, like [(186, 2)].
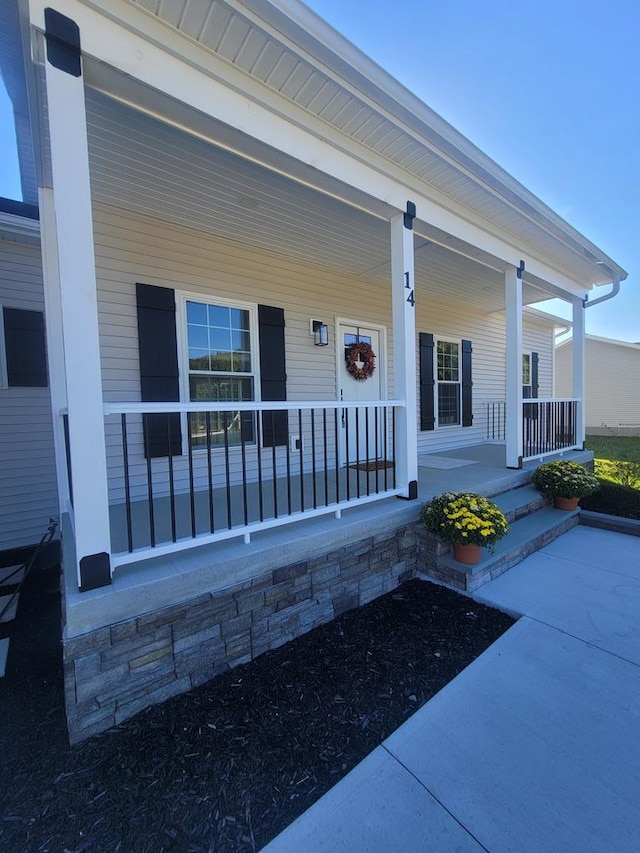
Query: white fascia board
[(144, 48), (613, 342), (406, 110)]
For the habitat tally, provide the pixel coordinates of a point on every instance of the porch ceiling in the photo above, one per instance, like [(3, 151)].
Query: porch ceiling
[(294, 53), (141, 164)]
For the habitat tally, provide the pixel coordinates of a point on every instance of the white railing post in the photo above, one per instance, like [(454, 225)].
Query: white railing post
[(404, 351), (514, 415), (71, 265), (578, 372)]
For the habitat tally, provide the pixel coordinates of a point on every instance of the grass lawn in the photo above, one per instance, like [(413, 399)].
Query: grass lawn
[(617, 465), (614, 448)]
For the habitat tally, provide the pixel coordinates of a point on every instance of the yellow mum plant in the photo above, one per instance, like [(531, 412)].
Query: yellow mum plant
[(464, 518)]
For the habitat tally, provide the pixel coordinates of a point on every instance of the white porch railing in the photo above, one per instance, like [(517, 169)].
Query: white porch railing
[(228, 478), (549, 425)]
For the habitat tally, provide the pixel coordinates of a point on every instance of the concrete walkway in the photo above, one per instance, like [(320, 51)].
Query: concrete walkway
[(534, 747)]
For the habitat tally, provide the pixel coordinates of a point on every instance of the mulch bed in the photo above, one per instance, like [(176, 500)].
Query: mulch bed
[(227, 766)]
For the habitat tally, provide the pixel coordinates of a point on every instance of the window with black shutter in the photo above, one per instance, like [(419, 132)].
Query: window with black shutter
[(25, 348)]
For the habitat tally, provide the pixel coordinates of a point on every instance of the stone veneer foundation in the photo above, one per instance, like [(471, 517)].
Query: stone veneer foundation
[(115, 671)]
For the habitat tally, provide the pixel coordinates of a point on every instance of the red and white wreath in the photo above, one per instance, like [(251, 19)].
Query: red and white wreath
[(361, 360)]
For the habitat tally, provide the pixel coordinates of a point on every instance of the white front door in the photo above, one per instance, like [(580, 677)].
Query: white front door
[(362, 437)]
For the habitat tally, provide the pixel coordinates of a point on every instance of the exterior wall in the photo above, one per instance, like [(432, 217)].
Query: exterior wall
[(132, 248), (115, 671), (612, 396), (540, 338), (28, 487)]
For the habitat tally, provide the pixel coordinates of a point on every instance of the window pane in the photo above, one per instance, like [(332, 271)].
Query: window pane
[(239, 319), (526, 369), (220, 339), (447, 368), (236, 425), (218, 316), (199, 359), (448, 404), (197, 313), (221, 361), (198, 336), (241, 362)]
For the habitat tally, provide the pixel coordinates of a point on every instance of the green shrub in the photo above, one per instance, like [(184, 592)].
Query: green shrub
[(564, 479)]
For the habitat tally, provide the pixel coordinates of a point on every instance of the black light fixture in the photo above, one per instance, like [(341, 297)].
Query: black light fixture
[(320, 333)]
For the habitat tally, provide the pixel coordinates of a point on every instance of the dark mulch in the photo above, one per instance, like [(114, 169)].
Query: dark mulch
[(614, 499), (227, 766)]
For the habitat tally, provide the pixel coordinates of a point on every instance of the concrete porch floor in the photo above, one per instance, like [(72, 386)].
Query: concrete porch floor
[(163, 581)]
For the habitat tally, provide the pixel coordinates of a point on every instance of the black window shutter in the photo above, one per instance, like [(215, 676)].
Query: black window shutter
[(25, 348), (467, 385), (158, 349), (427, 382), (273, 376), (534, 374)]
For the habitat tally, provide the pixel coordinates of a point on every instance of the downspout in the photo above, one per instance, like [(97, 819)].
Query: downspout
[(613, 292)]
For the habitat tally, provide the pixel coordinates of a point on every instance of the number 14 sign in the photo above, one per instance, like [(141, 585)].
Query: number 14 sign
[(411, 299)]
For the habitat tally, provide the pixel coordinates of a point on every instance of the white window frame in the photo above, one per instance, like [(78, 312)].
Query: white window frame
[(182, 297), (438, 382)]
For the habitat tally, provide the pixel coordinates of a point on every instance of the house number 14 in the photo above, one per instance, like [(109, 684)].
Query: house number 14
[(411, 299)]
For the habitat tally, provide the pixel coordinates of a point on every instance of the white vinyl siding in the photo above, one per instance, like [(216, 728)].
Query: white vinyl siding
[(28, 489), (612, 392)]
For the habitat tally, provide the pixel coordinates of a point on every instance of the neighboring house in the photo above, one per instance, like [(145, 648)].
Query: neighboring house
[(612, 395), (274, 278)]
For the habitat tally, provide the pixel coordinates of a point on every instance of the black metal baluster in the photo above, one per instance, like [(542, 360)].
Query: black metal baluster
[(385, 439), (127, 484), (346, 440), (227, 467), (336, 434), (210, 473), (273, 465), (243, 450), (393, 439), (312, 415), (152, 519), (172, 489), (377, 413), (301, 461), (192, 495), (288, 455), (259, 460), (357, 452)]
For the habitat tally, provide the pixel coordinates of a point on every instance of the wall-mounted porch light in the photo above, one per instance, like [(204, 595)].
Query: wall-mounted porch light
[(320, 333)]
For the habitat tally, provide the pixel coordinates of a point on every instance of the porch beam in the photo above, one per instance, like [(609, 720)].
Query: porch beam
[(514, 417), (130, 41), (404, 351), (578, 367), (70, 265)]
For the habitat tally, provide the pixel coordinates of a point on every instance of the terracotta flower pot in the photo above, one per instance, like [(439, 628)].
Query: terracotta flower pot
[(467, 554), (565, 503)]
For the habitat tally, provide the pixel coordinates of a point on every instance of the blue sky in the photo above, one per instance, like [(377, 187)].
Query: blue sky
[(550, 90)]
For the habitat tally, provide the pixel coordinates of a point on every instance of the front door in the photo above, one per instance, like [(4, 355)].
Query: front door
[(354, 446)]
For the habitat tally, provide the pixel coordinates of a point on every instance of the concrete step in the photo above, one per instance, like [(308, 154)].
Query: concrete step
[(516, 503), (527, 534)]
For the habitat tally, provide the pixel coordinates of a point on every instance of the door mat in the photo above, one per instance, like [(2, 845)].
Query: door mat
[(443, 463), (372, 465)]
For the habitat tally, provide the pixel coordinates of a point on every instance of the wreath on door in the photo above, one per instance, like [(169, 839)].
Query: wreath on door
[(361, 360)]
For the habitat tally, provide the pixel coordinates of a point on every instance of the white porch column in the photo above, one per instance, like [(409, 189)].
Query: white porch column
[(404, 351), (513, 305), (578, 372), (72, 220)]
